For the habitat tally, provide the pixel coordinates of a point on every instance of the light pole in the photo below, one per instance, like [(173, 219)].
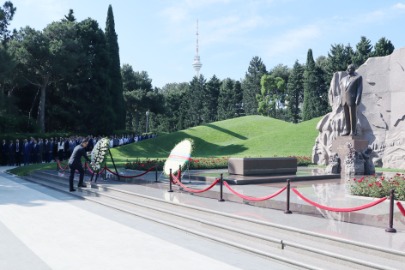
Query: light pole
[(147, 121)]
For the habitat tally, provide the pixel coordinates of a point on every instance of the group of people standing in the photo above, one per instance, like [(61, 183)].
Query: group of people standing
[(30, 151)]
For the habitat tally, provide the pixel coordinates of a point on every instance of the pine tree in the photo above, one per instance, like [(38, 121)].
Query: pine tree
[(251, 85), (363, 51), (115, 86), (295, 92), (227, 100), (310, 81), (339, 57), (210, 100), (383, 47)]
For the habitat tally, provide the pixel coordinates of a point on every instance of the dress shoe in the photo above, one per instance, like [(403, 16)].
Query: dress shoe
[(72, 190)]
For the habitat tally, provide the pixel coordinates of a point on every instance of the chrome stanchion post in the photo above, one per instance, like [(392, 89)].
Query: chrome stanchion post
[(287, 210), (221, 187), (390, 229)]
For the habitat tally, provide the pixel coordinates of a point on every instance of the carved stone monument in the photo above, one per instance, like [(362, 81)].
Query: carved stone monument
[(380, 115)]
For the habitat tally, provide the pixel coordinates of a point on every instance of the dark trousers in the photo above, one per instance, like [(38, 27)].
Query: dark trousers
[(73, 167), (351, 118)]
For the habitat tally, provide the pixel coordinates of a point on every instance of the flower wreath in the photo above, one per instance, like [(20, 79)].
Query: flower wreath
[(179, 156), (98, 153)]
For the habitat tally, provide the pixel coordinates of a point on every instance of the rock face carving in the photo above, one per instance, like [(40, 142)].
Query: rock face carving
[(380, 116)]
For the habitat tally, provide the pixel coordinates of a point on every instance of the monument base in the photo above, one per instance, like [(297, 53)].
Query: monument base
[(341, 146), (262, 166)]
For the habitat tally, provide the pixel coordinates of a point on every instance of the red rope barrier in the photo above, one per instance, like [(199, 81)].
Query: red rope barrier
[(92, 172), (60, 166), (177, 181), (334, 209), (130, 176), (180, 157), (248, 198), (401, 208)]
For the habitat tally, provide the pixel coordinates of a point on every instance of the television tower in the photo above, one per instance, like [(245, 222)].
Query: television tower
[(197, 64)]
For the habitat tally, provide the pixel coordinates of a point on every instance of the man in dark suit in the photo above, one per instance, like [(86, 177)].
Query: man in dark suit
[(352, 88), (18, 152), (75, 163), (11, 155), (4, 153)]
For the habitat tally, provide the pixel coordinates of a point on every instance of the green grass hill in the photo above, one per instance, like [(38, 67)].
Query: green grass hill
[(248, 136)]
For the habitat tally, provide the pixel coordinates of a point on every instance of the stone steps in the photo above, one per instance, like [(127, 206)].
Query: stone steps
[(296, 247)]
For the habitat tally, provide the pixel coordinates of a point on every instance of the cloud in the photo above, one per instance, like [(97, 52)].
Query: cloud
[(400, 6)]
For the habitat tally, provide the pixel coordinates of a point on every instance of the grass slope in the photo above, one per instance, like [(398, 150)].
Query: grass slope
[(248, 136)]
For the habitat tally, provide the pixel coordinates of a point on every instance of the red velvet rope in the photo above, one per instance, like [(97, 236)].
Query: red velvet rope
[(60, 166), (92, 172), (180, 157), (401, 208), (248, 198), (177, 181), (333, 209), (130, 176)]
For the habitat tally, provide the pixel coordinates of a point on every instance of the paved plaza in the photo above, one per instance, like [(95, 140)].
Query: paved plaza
[(43, 228)]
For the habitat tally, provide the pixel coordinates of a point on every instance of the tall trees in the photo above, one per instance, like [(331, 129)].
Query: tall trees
[(227, 100), (339, 57), (271, 95), (116, 88), (195, 97), (6, 15), (295, 92), (251, 85), (45, 57), (139, 97), (210, 100), (363, 51), (383, 47)]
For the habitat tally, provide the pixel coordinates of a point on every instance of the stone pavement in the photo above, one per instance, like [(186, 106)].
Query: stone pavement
[(46, 229)]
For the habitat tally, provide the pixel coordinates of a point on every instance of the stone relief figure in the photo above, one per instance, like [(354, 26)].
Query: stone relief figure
[(352, 88)]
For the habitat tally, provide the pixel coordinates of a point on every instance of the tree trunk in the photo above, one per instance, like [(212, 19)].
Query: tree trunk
[(41, 106)]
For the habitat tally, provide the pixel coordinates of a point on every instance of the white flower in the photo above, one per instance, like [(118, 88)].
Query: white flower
[(98, 153)]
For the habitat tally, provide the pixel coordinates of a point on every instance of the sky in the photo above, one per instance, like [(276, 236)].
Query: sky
[(159, 36)]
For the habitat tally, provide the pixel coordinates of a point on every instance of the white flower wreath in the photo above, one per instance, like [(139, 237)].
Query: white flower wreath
[(98, 153)]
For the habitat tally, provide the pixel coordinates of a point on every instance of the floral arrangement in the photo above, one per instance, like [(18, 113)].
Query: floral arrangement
[(98, 153), (379, 186), (179, 156)]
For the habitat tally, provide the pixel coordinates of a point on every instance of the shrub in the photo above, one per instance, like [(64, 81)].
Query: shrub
[(196, 163), (379, 186)]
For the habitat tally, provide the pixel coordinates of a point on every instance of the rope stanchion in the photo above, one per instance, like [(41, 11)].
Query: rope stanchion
[(176, 181), (170, 181), (401, 208), (129, 176), (334, 209), (287, 210), (391, 229), (248, 198), (156, 173), (221, 188)]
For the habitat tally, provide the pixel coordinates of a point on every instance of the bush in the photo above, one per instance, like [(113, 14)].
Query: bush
[(378, 187), (196, 163)]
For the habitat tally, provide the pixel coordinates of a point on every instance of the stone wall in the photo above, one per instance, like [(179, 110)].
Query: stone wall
[(381, 114)]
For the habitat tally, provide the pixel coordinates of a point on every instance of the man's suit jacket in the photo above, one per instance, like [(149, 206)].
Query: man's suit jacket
[(352, 88)]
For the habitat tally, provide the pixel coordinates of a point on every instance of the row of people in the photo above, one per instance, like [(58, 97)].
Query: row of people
[(16, 153)]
